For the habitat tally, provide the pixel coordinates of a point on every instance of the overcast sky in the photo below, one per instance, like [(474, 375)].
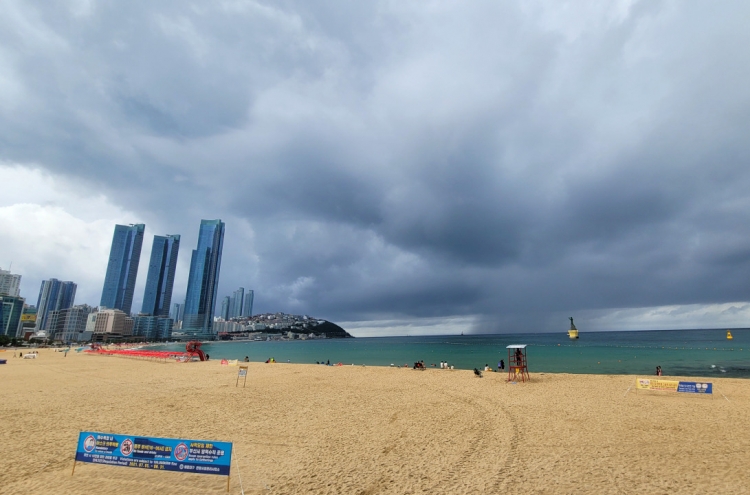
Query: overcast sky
[(396, 167)]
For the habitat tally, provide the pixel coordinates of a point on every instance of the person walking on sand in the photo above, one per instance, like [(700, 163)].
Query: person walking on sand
[(658, 371)]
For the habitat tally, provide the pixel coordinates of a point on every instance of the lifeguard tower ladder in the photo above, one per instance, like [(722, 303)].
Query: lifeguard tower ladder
[(193, 349), (518, 368)]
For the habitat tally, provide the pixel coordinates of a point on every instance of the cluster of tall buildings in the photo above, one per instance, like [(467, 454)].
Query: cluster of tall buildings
[(154, 320), (56, 317), (239, 305)]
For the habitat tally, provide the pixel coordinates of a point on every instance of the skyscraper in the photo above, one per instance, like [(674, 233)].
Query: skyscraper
[(119, 283), (247, 307), (160, 280), (54, 295), (225, 304), (177, 310), (10, 284), (203, 280), (235, 306)]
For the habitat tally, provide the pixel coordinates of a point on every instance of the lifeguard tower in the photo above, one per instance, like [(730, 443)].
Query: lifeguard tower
[(193, 349), (518, 369)]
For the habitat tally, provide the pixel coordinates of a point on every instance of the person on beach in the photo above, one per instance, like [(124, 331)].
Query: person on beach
[(658, 371), (247, 359), (501, 365)]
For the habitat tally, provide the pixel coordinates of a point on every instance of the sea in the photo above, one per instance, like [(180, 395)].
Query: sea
[(700, 353)]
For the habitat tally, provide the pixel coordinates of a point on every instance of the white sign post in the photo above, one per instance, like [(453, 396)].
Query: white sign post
[(241, 373)]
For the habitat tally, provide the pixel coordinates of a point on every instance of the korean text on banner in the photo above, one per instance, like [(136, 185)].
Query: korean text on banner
[(696, 387), (674, 386), (650, 384), (167, 454)]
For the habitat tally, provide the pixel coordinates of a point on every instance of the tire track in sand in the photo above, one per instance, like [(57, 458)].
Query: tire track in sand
[(480, 445)]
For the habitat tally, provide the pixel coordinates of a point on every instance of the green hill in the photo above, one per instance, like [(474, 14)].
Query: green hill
[(330, 330)]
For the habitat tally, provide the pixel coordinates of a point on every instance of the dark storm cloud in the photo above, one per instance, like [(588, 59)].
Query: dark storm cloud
[(397, 159)]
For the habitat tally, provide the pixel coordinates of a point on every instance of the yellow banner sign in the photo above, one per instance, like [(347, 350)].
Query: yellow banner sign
[(28, 317), (659, 384)]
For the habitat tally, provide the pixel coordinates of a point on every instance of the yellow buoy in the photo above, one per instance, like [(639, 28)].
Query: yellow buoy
[(573, 332), (729, 335)]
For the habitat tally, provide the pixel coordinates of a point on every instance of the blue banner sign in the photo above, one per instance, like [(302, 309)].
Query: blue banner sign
[(695, 387), (166, 454)]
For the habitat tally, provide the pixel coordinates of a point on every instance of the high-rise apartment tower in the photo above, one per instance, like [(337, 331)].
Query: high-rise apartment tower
[(160, 280), (247, 307), (235, 303), (119, 283), (54, 295), (203, 280), (225, 304), (10, 284)]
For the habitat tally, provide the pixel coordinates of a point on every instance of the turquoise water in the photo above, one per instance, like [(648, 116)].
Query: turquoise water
[(678, 352)]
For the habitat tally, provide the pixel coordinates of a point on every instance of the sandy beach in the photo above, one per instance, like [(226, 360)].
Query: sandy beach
[(368, 430)]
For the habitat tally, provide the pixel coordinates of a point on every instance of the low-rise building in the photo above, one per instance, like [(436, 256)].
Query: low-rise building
[(152, 327), (28, 322), (69, 325), (112, 324)]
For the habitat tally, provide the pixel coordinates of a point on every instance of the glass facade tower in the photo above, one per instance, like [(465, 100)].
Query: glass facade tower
[(119, 283), (235, 303), (247, 307), (203, 280), (160, 280), (54, 295), (177, 310), (225, 303), (11, 309)]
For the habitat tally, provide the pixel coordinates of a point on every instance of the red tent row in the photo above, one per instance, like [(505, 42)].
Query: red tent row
[(141, 353)]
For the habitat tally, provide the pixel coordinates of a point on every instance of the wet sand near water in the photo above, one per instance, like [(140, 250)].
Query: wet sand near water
[(370, 430)]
